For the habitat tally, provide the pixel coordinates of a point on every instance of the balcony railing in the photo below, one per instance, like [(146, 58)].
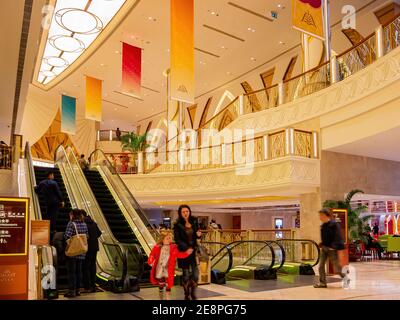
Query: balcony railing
[(109, 135), (289, 142), (6, 154), (385, 39)]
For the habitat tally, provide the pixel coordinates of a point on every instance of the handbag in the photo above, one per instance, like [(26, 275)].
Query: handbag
[(77, 244), (201, 253)]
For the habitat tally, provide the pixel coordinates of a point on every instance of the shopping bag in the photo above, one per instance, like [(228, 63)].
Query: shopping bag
[(77, 244)]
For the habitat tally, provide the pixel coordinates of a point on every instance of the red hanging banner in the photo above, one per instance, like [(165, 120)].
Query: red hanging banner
[(131, 70)]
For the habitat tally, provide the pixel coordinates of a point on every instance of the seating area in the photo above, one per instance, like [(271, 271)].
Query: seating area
[(390, 245)]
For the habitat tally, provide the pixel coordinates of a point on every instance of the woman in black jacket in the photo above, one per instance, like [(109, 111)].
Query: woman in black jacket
[(186, 233)]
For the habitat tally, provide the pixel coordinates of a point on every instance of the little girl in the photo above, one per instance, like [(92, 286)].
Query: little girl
[(162, 259)]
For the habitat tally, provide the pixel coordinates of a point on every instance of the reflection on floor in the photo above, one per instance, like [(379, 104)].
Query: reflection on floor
[(283, 282), (370, 280), (175, 294)]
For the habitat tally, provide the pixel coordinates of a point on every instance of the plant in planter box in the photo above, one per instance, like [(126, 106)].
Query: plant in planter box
[(135, 143), (356, 224)]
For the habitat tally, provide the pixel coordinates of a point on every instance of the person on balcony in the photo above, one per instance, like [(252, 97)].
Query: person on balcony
[(53, 197), (331, 242), (118, 134), (186, 234)]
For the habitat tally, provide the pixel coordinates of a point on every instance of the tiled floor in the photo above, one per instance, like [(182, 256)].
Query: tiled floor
[(370, 280)]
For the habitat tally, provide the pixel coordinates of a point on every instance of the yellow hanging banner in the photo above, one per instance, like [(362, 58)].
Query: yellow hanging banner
[(308, 17), (93, 98), (182, 50)]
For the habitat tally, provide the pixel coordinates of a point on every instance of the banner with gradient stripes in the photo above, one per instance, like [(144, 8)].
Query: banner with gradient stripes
[(182, 50), (308, 17), (68, 114), (93, 98), (131, 70)]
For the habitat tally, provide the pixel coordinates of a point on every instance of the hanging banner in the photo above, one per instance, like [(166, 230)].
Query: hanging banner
[(93, 98), (182, 50), (308, 17), (131, 70), (68, 114)]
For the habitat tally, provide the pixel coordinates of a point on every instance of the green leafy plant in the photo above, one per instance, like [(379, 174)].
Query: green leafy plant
[(133, 142), (356, 224)]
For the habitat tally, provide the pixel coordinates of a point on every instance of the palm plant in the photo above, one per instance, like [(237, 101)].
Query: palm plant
[(134, 142), (356, 224)]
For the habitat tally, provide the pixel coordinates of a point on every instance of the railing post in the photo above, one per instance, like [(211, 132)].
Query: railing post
[(181, 159), (281, 93), (289, 140), (380, 49), (266, 146), (241, 105), (140, 163), (98, 135), (249, 235), (223, 154), (334, 70), (315, 144), (111, 138)]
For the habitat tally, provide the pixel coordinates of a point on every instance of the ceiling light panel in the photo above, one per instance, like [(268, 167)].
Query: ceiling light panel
[(74, 27)]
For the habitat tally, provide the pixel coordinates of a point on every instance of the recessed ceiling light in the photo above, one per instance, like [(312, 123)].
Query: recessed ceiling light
[(281, 43), (251, 29), (281, 6), (102, 64), (115, 109), (213, 13), (229, 73), (116, 51), (130, 102)]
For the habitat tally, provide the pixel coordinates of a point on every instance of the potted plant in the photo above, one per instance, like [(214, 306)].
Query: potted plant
[(135, 143), (356, 224)]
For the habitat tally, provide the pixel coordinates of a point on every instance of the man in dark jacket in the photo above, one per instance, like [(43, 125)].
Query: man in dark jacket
[(54, 200), (331, 242), (89, 265)]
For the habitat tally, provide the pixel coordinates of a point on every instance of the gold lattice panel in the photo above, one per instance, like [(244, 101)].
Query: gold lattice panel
[(302, 144), (277, 143)]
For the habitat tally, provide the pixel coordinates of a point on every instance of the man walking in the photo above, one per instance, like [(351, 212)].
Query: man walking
[(52, 194), (331, 242)]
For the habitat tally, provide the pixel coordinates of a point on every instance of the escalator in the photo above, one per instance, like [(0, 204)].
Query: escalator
[(62, 217), (114, 216), (126, 219), (245, 260)]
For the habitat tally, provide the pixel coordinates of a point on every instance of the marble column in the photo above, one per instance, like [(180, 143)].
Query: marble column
[(310, 204)]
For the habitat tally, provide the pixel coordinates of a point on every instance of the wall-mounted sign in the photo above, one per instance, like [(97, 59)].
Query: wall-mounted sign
[(14, 227)]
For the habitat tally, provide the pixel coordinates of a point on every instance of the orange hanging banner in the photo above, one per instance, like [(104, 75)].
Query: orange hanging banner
[(182, 50), (93, 98), (308, 17)]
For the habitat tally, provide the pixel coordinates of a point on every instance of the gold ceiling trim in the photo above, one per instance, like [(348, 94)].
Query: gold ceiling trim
[(250, 11), (207, 52), (222, 201), (223, 32)]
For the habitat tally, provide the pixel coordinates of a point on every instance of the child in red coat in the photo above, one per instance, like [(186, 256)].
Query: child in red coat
[(162, 259)]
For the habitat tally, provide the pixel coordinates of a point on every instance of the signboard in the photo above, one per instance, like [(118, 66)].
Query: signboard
[(40, 232), (14, 227)]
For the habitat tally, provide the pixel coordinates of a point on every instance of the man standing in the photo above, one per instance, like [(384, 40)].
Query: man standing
[(118, 134), (52, 194), (331, 242)]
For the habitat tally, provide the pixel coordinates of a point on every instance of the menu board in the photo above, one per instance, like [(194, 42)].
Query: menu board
[(13, 226)]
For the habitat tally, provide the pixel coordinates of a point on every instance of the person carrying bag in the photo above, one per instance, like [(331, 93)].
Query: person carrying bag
[(76, 236)]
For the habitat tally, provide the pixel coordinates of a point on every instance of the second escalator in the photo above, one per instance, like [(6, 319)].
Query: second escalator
[(116, 220)]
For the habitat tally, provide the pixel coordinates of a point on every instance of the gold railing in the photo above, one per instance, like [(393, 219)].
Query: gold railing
[(357, 58), (321, 77), (6, 157), (391, 35), (289, 142), (109, 135), (231, 235)]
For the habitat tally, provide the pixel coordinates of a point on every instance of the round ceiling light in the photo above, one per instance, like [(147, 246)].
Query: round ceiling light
[(56, 62), (48, 73), (78, 21), (67, 44)]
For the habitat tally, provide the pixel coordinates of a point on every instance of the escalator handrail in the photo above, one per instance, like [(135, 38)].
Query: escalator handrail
[(305, 240), (228, 249), (32, 179), (234, 244), (136, 205), (93, 198)]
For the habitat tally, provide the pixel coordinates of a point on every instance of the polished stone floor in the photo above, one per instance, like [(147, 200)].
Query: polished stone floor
[(377, 280)]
